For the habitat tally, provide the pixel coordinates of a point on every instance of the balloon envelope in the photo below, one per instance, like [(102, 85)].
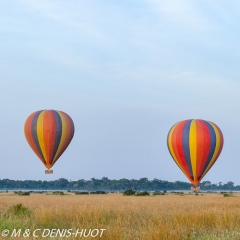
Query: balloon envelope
[(195, 146), (49, 133)]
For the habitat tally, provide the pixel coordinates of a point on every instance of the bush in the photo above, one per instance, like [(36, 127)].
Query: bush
[(142, 193), (158, 193), (98, 192), (227, 195), (178, 193), (17, 210), (36, 192), (20, 193), (81, 193), (129, 192), (58, 193)]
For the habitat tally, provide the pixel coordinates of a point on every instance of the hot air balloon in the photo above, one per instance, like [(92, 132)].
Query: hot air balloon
[(195, 146), (49, 132)]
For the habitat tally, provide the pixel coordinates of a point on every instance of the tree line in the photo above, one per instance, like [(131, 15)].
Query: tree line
[(106, 184)]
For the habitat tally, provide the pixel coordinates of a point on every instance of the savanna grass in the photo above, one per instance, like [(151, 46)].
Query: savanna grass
[(169, 217)]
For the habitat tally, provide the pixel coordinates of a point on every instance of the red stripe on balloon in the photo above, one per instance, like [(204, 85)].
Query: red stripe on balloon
[(29, 137), (49, 133), (206, 147), (177, 146)]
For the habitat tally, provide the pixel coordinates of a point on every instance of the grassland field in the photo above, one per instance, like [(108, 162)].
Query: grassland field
[(169, 217)]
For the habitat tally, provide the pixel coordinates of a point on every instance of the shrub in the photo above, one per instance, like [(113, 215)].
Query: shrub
[(178, 193), (227, 195), (58, 193), (22, 193), (81, 193), (17, 210), (129, 192), (98, 192), (158, 193), (142, 193)]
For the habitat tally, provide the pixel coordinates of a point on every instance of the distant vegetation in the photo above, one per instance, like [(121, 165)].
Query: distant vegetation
[(58, 193), (129, 192), (81, 193), (227, 195), (106, 184), (20, 193), (98, 192), (144, 193), (158, 193)]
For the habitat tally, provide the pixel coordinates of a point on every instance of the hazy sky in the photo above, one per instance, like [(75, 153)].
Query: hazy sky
[(125, 72)]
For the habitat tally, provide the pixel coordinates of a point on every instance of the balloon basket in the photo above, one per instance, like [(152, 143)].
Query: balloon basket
[(195, 189), (48, 171)]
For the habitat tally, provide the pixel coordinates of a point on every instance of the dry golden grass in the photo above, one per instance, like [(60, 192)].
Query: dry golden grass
[(173, 217)]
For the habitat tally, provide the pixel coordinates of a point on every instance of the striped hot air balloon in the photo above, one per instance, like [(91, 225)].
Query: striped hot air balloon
[(49, 132), (195, 146)]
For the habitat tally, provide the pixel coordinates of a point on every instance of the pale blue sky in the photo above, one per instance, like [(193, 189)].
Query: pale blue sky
[(125, 72)]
